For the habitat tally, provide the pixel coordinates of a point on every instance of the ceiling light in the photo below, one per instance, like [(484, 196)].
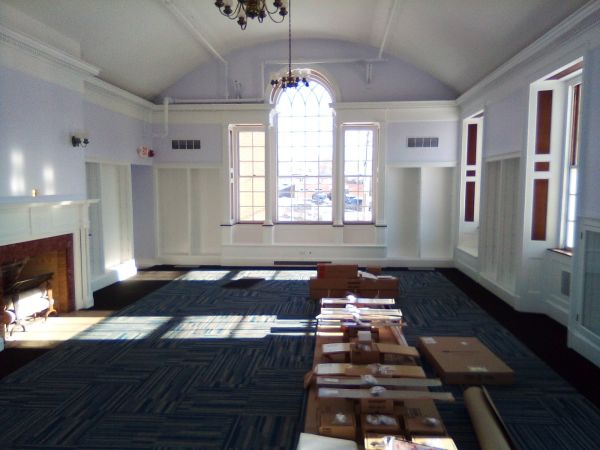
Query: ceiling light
[(254, 9), (290, 79)]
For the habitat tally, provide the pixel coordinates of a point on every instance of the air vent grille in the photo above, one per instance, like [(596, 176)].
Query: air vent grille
[(186, 144), (565, 283), (423, 142)]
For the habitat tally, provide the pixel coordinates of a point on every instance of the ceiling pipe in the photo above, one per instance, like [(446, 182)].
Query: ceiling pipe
[(388, 26), (183, 19), (216, 101), (165, 133)]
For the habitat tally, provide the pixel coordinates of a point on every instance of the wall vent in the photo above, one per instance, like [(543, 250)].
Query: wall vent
[(565, 283), (185, 144), (423, 142), (299, 263)]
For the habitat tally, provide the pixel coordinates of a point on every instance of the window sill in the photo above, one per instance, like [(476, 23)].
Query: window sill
[(561, 251)]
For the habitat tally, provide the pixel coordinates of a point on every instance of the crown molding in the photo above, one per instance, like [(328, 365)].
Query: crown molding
[(575, 25), (40, 50), (399, 105), (102, 87)]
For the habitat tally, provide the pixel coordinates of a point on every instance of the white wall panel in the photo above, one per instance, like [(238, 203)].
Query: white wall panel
[(173, 211), (402, 211), (436, 212)]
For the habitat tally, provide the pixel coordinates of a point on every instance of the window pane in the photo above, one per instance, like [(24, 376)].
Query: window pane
[(245, 153), (250, 176), (246, 214), (358, 175), (304, 152), (258, 139), (245, 139), (245, 184), (246, 169), (245, 198)]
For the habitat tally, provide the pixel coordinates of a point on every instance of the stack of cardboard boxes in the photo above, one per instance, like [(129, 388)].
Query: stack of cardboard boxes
[(337, 280)]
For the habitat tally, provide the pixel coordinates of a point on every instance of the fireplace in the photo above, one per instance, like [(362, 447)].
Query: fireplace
[(47, 255), (52, 235)]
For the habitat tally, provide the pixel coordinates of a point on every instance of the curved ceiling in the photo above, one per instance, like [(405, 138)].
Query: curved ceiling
[(144, 46)]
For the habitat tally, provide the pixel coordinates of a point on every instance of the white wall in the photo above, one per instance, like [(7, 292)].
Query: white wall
[(505, 125), (37, 119), (398, 151)]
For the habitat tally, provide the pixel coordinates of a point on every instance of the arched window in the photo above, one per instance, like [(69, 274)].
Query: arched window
[(304, 154)]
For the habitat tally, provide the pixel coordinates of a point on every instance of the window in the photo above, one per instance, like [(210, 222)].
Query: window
[(304, 155), (553, 148), (358, 173), (249, 169), (569, 213), (470, 183)]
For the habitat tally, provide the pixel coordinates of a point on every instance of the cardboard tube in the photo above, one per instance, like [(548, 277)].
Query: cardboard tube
[(487, 427)]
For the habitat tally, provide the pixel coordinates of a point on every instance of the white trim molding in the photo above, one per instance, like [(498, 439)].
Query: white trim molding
[(571, 32), (40, 50)]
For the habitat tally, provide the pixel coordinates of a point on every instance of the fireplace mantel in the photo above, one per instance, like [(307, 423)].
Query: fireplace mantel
[(26, 219)]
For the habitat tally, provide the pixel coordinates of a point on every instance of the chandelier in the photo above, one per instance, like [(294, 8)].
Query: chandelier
[(255, 9), (288, 79)]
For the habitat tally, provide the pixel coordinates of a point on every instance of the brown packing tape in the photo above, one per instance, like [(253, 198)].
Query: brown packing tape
[(488, 427)]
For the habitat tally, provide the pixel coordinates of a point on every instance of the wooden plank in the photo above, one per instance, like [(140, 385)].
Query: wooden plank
[(387, 394), (472, 144), (395, 349), (540, 210), (385, 370), (396, 382), (544, 122), (358, 301), (470, 201), (362, 311)]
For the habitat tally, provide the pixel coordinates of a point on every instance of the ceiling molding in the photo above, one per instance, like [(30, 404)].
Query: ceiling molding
[(578, 23), (102, 87), (44, 51)]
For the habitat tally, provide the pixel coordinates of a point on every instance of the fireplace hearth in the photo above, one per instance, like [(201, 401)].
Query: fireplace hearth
[(31, 260)]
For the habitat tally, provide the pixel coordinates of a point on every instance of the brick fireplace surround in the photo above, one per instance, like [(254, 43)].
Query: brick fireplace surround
[(52, 254)]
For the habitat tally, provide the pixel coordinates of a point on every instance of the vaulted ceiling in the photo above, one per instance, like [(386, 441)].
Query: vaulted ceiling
[(144, 46)]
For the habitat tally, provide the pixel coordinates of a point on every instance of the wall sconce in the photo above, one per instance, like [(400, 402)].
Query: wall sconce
[(145, 152), (79, 142)]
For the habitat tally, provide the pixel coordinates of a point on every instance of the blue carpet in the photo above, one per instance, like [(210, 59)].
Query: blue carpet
[(196, 365)]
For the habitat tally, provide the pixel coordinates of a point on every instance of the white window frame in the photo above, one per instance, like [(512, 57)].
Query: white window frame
[(567, 193), (278, 219), (374, 128), (235, 169)]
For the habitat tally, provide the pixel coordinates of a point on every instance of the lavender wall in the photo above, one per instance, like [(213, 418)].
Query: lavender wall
[(114, 136), (142, 192), (211, 139), (589, 162), (393, 80), (399, 152), (504, 124), (37, 119)]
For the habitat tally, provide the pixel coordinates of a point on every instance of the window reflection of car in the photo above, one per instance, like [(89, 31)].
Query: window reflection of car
[(287, 191), (321, 197), (352, 202)]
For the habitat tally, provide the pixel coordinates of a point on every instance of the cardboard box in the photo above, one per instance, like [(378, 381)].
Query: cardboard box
[(328, 423), (436, 442), (376, 405), (328, 426), (381, 286), (385, 428), (363, 353), (375, 270), (342, 271), (421, 418), (464, 360), (332, 287), (377, 441)]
